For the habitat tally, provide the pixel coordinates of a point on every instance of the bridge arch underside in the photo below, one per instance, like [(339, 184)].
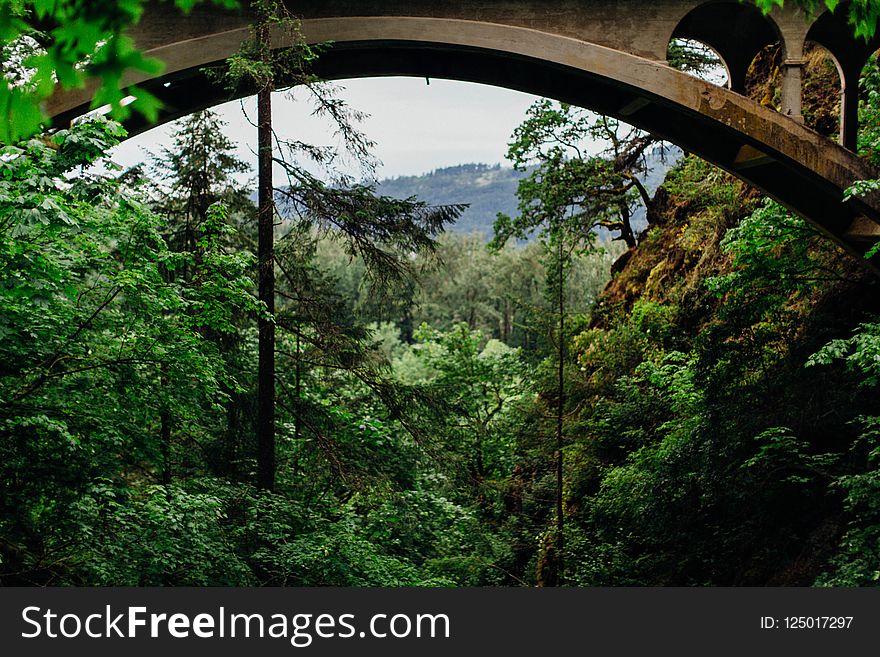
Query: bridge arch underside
[(790, 163)]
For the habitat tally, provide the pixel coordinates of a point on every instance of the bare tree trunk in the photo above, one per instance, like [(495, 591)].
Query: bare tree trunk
[(626, 232), (165, 432), (266, 260), (229, 466), (560, 393), (166, 449), (297, 425)]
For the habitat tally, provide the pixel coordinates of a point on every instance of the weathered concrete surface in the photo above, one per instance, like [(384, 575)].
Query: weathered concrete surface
[(605, 55)]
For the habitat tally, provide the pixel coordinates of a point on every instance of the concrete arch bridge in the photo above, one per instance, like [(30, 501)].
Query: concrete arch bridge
[(605, 55)]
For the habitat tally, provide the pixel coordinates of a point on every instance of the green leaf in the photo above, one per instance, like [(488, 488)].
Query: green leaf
[(146, 103), (44, 8)]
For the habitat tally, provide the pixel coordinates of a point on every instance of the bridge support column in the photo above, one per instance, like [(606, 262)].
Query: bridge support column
[(849, 108), (792, 85)]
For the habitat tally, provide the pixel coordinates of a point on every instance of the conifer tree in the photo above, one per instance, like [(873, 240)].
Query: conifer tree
[(199, 168), (198, 173), (265, 267), (383, 231)]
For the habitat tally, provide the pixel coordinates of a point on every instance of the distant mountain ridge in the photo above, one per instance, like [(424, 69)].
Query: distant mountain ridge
[(490, 189)]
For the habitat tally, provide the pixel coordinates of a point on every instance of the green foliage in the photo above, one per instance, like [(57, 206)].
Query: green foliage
[(698, 439), (695, 58), (655, 320), (869, 111), (857, 563), (771, 253), (481, 381), (498, 292), (869, 135), (380, 230), (70, 44), (428, 387), (87, 311), (566, 193), (702, 188), (142, 295), (158, 536), (296, 548), (861, 14), (780, 450), (861, 353), (257, 66)]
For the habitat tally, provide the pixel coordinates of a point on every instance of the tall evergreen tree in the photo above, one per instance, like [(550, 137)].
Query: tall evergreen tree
[(266, 267), (383, 231), (197, 174), (198, 169)]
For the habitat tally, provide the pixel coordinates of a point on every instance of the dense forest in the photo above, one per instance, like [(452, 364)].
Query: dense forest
[(693, 402)]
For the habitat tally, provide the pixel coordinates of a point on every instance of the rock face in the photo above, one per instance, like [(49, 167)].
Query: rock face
[(689, 215)]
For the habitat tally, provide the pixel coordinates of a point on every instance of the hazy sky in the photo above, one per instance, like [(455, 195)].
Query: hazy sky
[(417, 127)]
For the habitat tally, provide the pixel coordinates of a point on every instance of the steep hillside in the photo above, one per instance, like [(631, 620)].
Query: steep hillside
[(717, 441)]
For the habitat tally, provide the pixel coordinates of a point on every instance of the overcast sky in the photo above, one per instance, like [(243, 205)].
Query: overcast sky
[(417, 126)]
